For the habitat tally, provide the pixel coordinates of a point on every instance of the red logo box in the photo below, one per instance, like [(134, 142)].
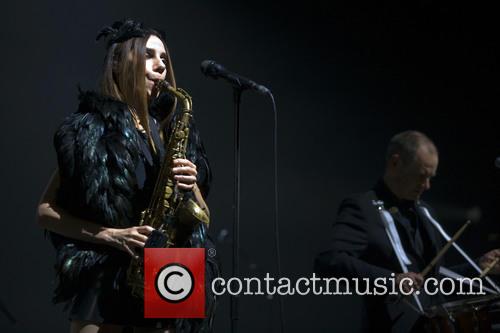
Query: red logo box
[(174, 283)]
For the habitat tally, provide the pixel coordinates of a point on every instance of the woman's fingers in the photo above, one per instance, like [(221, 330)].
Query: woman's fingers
[(130, 245), (185, 179), (187, 187), (144, 229), (185, 174), (184, 170), (131, 238), (140, 237), (179, 162), (135, 243)]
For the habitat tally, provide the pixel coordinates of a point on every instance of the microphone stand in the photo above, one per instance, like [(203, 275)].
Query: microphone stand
[(239, 84), (236, 208)]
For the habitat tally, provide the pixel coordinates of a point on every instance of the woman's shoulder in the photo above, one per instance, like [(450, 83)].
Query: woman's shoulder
[(101, 128), (96, 107), (93, 102), (96, 114)]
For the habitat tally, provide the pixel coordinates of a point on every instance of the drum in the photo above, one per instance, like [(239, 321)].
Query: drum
[(473, 315)]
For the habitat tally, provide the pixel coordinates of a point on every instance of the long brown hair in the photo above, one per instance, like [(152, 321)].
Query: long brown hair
[(124, 77)]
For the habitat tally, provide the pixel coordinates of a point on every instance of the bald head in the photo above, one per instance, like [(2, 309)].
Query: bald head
[(411, 162), (407, 143)]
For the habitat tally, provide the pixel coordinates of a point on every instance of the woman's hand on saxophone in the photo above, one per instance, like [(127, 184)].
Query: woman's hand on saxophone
[(185, 174), (128, 239)]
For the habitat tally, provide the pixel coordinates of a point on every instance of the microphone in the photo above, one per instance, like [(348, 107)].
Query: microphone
[(497, 162), (214, 70)]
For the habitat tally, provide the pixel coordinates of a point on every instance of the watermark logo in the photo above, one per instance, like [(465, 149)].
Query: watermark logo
[(174, 283)]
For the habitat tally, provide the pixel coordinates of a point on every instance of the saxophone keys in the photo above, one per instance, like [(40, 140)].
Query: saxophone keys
[(168, 191), (180, 134)]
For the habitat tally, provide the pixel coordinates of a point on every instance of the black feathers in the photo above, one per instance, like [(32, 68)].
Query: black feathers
[(123, 30), (97, 149)]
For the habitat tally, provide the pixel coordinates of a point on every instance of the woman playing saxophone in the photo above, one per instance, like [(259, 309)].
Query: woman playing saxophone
[(110, 153)]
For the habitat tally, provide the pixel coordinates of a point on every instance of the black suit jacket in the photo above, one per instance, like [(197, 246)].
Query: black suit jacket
[(361, 248)]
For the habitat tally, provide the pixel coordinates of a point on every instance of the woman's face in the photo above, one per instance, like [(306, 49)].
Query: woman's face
[(156, 62)]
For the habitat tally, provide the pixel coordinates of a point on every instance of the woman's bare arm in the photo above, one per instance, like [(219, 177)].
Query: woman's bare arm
[(55, 219)]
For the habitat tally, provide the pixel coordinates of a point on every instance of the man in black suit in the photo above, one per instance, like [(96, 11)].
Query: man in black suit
[(362, 245)]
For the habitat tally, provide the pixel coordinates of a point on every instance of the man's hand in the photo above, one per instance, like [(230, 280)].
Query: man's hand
[(409, 282), (487, 259)]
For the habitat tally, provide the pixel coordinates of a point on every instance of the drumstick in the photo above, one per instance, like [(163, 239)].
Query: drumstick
[(444, 249), (489, 267)]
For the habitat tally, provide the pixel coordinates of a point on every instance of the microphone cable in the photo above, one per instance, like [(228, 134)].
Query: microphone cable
[(276, 215)]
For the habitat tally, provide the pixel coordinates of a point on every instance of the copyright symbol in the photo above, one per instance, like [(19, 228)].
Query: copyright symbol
[(174, 283)]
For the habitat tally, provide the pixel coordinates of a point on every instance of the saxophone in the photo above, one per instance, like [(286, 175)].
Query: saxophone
[(168, 213)]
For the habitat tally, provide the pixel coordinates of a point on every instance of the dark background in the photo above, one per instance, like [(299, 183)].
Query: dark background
[(346, 77)]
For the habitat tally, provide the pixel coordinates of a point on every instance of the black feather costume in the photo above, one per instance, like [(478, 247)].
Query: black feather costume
[(107, 173)]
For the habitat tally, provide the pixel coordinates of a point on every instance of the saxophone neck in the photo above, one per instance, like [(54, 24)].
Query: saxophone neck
[(180, 93), (187, 102)]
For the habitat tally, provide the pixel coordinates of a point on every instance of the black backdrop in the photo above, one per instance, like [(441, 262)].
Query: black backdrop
[(346, 77)]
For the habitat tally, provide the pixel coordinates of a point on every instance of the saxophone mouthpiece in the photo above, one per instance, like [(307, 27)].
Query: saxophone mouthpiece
[(163, 85)]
